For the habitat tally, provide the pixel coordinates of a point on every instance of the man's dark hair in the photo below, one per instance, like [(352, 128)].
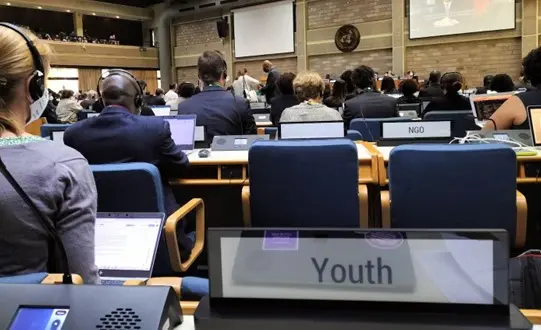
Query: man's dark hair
[(211, 67), (172, 86), (532, 67), (186, 90), (285, 83), (363, 77), (434, 77), (408, 87), (388, 85), (159, 92), (487, 80), (346, 76), (502, 83)]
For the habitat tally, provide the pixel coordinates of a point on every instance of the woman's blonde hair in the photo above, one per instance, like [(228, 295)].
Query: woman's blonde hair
[(308, 85), (16, 65)]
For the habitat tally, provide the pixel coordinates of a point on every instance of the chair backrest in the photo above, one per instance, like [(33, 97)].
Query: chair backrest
[(462, 121), (370, 128), (453, 186), (271, 131), (34, 278), (304, 183), (34, 127), (354, 135), (129, 187), (47, 128)]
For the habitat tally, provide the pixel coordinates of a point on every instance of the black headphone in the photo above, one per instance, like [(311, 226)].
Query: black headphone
[(137, 100), (37, 81)]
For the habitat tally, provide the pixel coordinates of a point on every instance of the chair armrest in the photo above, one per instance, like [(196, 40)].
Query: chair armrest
[(385, 209), (522, 220), (533, 315), (57, 279), (188, 307), (363, 206), (134, 283), (246, 211), (174, 282), (261, 131), (198, 205)]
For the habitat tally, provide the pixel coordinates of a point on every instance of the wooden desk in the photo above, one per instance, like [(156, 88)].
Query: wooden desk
[(231, 167), (522, 163)]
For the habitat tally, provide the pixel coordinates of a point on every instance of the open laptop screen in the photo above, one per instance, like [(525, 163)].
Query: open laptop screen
[(57, 136), (464, 267), (484, 105), (126, 244), (312, 130), (161, 110), (534, 116), (183, 130)]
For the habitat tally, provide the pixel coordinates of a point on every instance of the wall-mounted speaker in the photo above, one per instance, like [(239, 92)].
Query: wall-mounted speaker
[(223, 28)]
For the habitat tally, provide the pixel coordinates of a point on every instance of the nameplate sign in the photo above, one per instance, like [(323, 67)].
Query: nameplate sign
[(416, 130)]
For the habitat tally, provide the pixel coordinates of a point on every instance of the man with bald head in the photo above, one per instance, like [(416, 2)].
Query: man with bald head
[(270, 90), (120, 135)]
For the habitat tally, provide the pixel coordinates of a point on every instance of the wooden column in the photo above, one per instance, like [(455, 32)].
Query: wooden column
[(530, 26), (399, 47), (302, 59), (78, 24)]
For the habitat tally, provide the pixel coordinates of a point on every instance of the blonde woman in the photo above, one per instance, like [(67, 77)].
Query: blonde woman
[(56, 178), (309, 88)]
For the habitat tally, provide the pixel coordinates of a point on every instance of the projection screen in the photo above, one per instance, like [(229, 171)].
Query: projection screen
[(431, 18)]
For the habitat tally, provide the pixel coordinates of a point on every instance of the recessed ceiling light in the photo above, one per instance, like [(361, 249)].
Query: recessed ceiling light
[(40, 7), (8, 3), (94, 14), (67, 10), (117, 16)]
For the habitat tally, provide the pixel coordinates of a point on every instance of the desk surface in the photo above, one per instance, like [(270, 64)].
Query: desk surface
[(241, 157), (189, 324)]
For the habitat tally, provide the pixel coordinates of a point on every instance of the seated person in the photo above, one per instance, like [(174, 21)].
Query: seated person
[(369, 103), (351, 90), (120, 135), (434, 86), (56, 178), (487, 80), (512, 114), (338, 95), (502, 83), (451, 83), (285, 99), (408, 88), (388, 86), (309, 88), (218, 110), (185, 91), (156, 100), (67, 108)]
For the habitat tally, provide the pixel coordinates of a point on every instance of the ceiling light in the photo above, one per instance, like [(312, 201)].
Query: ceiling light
[(117, 16), (67, 10), (40, 7), (94, 14), (8, 3)]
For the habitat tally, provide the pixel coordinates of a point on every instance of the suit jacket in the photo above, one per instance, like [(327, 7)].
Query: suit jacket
[(431, 91), (279, 104), (154, 100), (449, 103), (271, 89), (220, 112), (370, 104)]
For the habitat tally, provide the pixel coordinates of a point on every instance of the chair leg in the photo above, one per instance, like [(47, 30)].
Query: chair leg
[(363, 206), (522, 220), (385, 209)]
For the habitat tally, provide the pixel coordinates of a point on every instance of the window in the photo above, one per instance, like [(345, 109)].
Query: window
[(63, 78)]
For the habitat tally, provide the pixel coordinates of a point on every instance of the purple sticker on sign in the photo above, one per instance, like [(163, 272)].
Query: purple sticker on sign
[(386, 240), (281, 240)]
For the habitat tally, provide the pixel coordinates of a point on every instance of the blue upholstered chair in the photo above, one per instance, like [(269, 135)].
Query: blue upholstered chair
[(455, 186), (304, 183), (47, 128), (271, 131), (370, 128), (137, 187), (463, 121), (38, 278), (354, 135)]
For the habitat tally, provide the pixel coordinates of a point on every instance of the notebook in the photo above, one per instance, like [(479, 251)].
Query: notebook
[(126, 245)]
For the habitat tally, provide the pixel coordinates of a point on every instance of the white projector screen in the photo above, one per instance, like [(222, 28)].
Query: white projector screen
[(431, 18), (264, 29)]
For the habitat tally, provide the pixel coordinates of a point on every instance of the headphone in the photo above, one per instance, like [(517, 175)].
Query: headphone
[(37, 80), (137, 100)]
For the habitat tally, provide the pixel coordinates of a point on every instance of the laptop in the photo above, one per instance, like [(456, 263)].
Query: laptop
[(161, 110), (484, 105), (90, 115), (183, 131), (126, 245), (262, 118), (312, 130), (412, 110), (534, 117)]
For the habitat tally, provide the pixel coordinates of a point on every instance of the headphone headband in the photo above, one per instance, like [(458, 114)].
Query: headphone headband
[(138, 99)]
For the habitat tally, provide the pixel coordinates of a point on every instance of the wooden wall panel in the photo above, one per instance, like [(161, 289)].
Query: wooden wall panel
[(88, 79)]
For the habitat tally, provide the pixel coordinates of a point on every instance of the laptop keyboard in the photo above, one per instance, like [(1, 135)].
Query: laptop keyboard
[(112, 282)]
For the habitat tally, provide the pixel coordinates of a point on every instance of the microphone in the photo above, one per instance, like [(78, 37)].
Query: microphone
[(47, 224)]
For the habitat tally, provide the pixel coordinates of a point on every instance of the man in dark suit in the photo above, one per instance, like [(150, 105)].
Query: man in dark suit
[(434, 86), (369, 103), (120, 135), (270, 90), (217, 109)]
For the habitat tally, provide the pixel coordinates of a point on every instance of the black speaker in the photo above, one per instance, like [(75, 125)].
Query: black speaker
[(223, 28)]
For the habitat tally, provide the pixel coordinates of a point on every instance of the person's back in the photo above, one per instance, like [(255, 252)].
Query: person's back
[(67, 108), (408, 88), (217, 109), (452, 100), (434, 88), (310, 112), (286, 98)]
